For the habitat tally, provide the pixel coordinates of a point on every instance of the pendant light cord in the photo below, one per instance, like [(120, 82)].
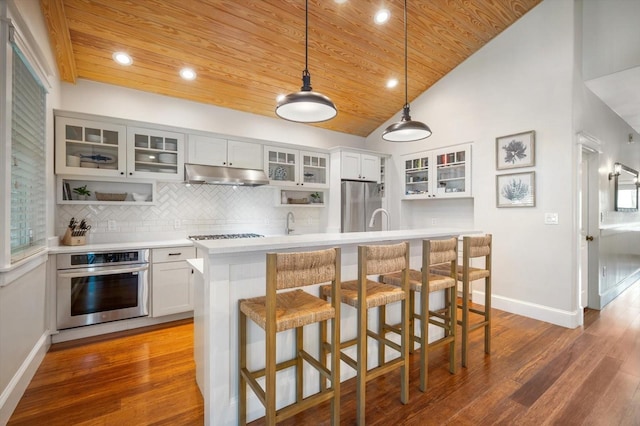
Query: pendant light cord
[(306, 37), (406, 79)]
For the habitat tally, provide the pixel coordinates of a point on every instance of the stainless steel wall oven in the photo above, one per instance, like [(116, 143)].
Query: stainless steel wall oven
[(99, 287)]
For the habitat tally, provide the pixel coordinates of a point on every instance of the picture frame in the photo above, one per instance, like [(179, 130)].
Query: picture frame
[(516, 190), (515, 151)]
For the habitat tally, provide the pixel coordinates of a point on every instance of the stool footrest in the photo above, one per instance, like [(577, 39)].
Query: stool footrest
[(315, 364), (384, 368), (253, 384), (311, 401)]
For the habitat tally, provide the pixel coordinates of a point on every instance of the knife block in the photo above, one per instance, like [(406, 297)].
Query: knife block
[(69, 240)]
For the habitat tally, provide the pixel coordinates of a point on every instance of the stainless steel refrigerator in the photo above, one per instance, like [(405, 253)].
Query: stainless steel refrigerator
[(359, 200)]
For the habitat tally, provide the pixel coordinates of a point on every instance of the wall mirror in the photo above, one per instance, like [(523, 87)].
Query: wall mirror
[(626, 189)]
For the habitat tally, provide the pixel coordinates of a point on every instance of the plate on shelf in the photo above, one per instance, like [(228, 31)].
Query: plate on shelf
[(95, 138), (167, 158)]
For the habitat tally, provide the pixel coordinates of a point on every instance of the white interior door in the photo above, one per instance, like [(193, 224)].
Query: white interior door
[(585, 237)]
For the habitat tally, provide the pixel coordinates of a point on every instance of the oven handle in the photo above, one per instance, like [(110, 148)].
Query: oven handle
[(103, 270)]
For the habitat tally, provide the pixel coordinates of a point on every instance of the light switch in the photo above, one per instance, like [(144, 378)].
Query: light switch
[(551, 218)]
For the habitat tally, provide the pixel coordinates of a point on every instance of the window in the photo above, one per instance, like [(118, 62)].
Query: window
[(28, 180)]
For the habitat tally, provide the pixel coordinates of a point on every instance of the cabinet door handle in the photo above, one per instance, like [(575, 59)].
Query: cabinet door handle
[(175, 254), (231, 164), (121, 173)]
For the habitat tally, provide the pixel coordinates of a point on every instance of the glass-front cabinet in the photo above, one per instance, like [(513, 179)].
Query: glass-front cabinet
[(155, 154), (94, 148), (90, 148), (416, 171), (287, 167), (443, 173), (314, 168)]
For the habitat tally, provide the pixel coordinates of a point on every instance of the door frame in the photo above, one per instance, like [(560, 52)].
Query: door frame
[(587, 144)]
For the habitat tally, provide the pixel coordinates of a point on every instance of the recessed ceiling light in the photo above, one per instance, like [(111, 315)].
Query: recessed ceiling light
[(122, 58), (382, 16), (392, 83), (340, 1), (188, 74)]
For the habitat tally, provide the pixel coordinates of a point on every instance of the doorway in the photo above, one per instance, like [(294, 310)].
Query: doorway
[(588, 222)]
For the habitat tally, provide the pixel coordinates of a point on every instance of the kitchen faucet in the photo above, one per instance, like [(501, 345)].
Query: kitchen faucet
[(291, 220), (373, 217)]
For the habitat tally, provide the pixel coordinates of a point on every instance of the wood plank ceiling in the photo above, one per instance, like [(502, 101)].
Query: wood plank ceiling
[(247, 52)]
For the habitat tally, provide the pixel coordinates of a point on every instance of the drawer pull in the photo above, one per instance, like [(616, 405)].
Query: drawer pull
[(175, 254)]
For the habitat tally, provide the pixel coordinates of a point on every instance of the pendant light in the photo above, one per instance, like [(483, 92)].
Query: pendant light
[(306, 106), (406, 130)]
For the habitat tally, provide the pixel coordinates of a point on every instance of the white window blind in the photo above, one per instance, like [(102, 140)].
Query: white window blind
[(28, 180)]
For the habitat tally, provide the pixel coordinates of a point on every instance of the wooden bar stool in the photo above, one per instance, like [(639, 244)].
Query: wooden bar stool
[(443, 252), (280, 311), (473, 247), (364, 294)]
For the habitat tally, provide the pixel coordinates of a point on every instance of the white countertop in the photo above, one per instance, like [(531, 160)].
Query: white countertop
[(121, 246), (243, 245)]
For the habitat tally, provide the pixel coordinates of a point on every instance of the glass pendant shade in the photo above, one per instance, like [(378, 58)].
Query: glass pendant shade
[(306, 106), (406, 130)]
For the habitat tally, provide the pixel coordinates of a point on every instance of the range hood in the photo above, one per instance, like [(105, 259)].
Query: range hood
[(217, 175)]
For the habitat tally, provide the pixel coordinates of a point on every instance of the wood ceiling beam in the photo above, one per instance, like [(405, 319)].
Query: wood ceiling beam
[(60, 38)]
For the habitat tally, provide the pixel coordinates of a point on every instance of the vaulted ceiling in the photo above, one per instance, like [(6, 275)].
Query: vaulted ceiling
[(247, 52)]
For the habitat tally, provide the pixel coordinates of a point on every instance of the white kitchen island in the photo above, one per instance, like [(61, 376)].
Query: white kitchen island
[(234, 269)]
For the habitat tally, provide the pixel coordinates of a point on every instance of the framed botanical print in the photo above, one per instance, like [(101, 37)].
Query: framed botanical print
[(514, 151), (516, 190)]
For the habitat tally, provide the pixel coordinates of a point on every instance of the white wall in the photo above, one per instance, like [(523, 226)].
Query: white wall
[(23, 302), (611, 37), (520, 81)]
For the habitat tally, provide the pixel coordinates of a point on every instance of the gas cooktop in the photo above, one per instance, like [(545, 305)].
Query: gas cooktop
[(224, 236)]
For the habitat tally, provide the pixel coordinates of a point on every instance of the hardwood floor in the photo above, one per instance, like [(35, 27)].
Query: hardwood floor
[(538, 373)]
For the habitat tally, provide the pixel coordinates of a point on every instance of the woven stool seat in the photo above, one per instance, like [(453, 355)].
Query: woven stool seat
[(295, 308), (378, 294), (436, 282), (474, 273)]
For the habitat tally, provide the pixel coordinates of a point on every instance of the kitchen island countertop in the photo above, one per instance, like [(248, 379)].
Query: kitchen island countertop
[(308, 241)]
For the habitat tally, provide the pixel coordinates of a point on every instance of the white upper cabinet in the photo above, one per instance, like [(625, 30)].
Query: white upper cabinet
[(155, 154), (289, 167), (359, 166), (442, 173), (224, 152), (94, 148), (90, 148)]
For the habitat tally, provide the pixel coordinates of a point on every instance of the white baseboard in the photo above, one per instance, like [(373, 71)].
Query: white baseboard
[(114, 326), (15, 389), (569, 319), (608, 296)]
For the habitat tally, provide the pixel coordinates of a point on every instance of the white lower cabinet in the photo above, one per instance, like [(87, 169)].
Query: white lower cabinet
[(171, 284)]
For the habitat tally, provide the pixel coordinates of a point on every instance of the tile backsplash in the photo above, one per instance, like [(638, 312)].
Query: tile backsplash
[(183, 210)]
